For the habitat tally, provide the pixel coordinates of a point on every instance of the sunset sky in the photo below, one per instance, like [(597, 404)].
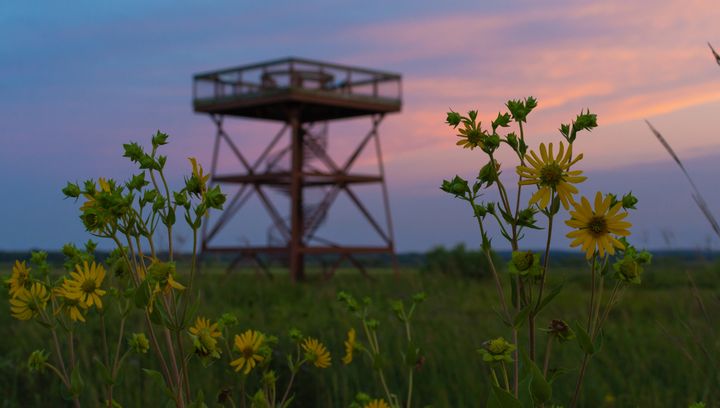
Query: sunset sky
[(77, 81)]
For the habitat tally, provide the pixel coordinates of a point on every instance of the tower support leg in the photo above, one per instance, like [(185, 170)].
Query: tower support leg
[(297, 262)]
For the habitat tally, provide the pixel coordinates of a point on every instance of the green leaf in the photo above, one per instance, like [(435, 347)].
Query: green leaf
[(412, 354), (199, 401), (104, 372), (535, 382), (550, 296), (76, 382), (540, 388), (142, 295), (524, 394), (583, 339), (499, 398), (155, 375), (507, 217)]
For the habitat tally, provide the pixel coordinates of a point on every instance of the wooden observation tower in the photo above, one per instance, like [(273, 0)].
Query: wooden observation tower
[(303, 96)]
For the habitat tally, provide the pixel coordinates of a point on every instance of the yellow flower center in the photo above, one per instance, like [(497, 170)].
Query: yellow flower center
[(248, 352), (88, 286), (551, 174), (33, 305), (473, 136), (597, 226)]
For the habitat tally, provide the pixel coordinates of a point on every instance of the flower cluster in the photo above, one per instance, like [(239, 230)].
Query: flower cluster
[(598, 229)]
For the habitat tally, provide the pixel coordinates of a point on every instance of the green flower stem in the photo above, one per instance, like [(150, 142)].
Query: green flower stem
[(243, 403), (516, 364), (185, 374), (151, 331), (176, 371), (611, 302), (494, 377), (586, 358), (500, 224), (293, 373), (76, 400), (546, 260), (58, 354), (193, 268), (169, 226), (505, 376), (592, 291), (543, 279), (106, 355), (71, 348), (158, 351), (496, 277), (519, 191), (596, 315), (581, 376), (408, 335), (58, 373), (375, 347), (127, 260), (548, 349), (116, 365)]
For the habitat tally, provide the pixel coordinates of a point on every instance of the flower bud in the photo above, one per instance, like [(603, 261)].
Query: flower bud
[(561, 330), (139, 343), (71, 190), (496, 350), (453, 119), (159, 139), (522, 260), (36, 361), (629, 201)]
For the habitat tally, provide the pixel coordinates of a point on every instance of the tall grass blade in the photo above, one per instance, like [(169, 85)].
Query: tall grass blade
[(715, 54), (699, 200)]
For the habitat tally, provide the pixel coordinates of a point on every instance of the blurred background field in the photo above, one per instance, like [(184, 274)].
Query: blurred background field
[(661, 346)]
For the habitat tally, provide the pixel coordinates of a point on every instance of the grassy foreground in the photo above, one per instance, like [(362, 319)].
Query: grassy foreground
[(659, 350)]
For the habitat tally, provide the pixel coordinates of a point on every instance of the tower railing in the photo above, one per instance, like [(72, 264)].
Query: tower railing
[(298, 75)]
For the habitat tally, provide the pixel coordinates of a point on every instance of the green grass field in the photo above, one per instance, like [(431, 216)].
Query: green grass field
[(659, 348)]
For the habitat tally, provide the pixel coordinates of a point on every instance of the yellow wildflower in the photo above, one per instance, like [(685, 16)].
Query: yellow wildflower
[(551, 174), (85, 284), (19, 279), (349, 347), (69, 303), (29, 303), (593, 227), (248, 344), (204, 337), (377, 403), (316, 353)]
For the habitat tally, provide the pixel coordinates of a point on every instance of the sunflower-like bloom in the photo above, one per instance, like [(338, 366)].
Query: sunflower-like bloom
[(377, 403), (316, 353), (19, 279), (29, 303), (85, 284), (248, 344), (204, 337), (471, 136), (349, 347), (551, 174), (594, 228), (69, 303)]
